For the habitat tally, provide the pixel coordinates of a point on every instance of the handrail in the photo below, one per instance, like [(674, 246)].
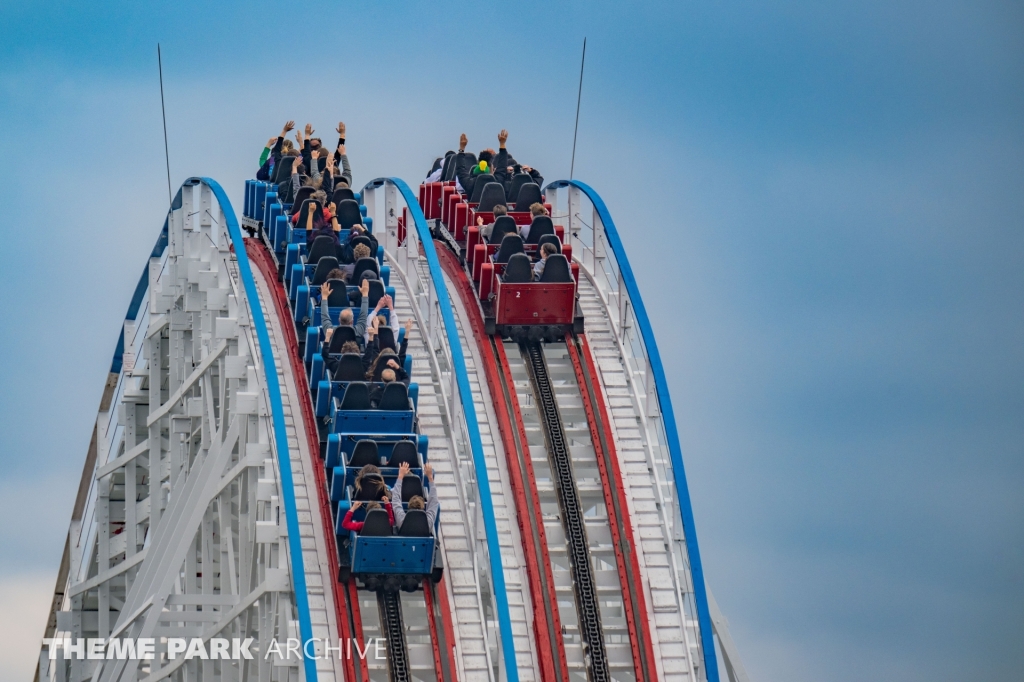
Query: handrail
[(277, 410), (668, 418), (140, 291), (473, 427)]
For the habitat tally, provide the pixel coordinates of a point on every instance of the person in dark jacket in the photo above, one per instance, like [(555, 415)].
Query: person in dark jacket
[(466, 171), (309, 145), (505, 166), (388, 375), (271, 155)]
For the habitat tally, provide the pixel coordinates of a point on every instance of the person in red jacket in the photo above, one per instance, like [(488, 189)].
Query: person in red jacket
[(348, 524)]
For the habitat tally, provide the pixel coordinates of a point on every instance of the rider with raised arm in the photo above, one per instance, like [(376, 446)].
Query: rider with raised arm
[(341, 157), (309, 145), (272, 153), (345, 316), (431, 505), (505, 167), (465, 172)]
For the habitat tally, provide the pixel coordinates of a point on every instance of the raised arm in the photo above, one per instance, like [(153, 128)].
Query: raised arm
[(266, 150), (462, 165), (296, 180), (501, 158), (328, 182), (276, 152), (305, 147), (364, 289), (314, 164), (433, 503), (341, 133), (335, 225), (392, 315), (325, 314), (346, 170), (396, 495)]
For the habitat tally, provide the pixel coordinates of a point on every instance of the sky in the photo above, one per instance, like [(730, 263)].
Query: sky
[(823, 204)]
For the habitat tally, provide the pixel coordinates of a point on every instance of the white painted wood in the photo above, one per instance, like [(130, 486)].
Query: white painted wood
[(650, 518), (168, 542)]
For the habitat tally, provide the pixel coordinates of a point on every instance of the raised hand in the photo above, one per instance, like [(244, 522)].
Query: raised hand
[(356, 505), (429, 471), (364, 287), (502, 137), (298, 137), (290, 125), (333, 209), (403, 470), (325, 291), (480, 220), (463, 141), (340, 129), (271, 142), (341, 149), (309, 130), (314, 154), (408, 326)]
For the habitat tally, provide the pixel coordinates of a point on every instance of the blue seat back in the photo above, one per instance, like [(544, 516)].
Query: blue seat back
[(399, 555)]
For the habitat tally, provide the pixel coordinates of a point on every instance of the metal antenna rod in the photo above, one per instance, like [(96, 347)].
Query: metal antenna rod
[(583, 61), (163, 110)]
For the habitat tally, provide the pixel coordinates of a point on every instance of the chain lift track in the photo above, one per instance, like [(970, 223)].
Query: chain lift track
[(390, 605), (572, 515)]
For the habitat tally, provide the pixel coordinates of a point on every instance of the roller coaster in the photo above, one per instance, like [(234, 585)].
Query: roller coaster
[(224, 490)]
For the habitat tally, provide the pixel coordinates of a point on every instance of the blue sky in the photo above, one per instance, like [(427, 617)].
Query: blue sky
[(824, 204)]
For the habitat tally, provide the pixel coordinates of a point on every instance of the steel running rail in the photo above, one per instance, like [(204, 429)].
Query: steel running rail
[(472, 426), (280, 434), (661, 394)]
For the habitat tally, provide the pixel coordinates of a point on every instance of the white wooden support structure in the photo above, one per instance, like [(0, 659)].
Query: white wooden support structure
[(181, 530)]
